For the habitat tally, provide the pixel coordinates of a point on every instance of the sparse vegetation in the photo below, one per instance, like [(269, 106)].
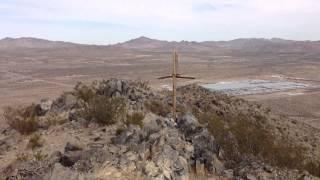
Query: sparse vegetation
[(104, 110), (141, 84), (22, 157), (158, 107), (254, 138), (22, 119), (53, 121), (119, 130), (135, 118), (250, 137), (98, 108), (83, 92), (35, 141), (39, 156)]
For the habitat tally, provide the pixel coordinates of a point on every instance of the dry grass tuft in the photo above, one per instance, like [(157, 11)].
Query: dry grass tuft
[(22, 119), (22, 157), (158, 107), (39, 156), (135, 118), (35, 141)]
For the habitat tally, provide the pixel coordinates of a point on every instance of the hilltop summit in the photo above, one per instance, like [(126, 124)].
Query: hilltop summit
[(118, 129)]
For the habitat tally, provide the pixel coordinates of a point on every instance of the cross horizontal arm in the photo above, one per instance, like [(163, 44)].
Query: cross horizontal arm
[(185, 77), (165, 77)]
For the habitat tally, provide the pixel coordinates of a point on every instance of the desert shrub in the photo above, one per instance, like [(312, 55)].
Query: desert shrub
[(35, 141), (135, 118), (181, 110), (104, 110), (119, 130), (141, 84), (284, 154), (158, 107), (53, 121), (39, 156), (22, 157), (252, 137), (22, 119), (215, 124), (83, 92)]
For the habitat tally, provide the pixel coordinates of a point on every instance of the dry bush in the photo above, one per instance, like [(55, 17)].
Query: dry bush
[(83, 92), (141, 84), (119, 130), (104, 110), (215, 124), (135, 118), (53, 120), (221, 132), (22, 157), (253, 138), (35, 141), (158, 107), (250, 137), (22, 119), (39, 156)]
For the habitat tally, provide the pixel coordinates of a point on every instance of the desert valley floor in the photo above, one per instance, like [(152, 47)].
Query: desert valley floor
[(28, 74)]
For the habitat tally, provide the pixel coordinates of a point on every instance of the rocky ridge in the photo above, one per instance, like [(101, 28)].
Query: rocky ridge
[(160, 149)]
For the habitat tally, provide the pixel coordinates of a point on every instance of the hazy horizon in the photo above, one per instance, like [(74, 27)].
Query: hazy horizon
[(209, 40), (109, 22)]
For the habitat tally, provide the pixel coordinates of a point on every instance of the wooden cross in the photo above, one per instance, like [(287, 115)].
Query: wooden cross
[(174, 77)]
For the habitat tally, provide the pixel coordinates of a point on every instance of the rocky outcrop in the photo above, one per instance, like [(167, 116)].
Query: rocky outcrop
[(160, 149)]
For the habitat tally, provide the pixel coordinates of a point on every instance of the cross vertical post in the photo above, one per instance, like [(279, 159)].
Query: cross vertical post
[(174, 84), (174, 77)]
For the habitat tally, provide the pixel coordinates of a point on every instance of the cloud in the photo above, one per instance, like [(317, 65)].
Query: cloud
[(189, 19)]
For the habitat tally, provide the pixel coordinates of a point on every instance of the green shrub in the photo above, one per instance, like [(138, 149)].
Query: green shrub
[(105, 110), (135, 118), (22, 119), (158, 107)]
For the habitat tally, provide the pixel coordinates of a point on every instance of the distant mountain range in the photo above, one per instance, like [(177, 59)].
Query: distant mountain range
[(27, 42), (144, 43)]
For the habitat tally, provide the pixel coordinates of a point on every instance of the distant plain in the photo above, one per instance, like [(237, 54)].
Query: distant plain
[(33, 69)]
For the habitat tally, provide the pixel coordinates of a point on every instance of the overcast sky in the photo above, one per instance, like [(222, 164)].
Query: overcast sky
[(111, 21)]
